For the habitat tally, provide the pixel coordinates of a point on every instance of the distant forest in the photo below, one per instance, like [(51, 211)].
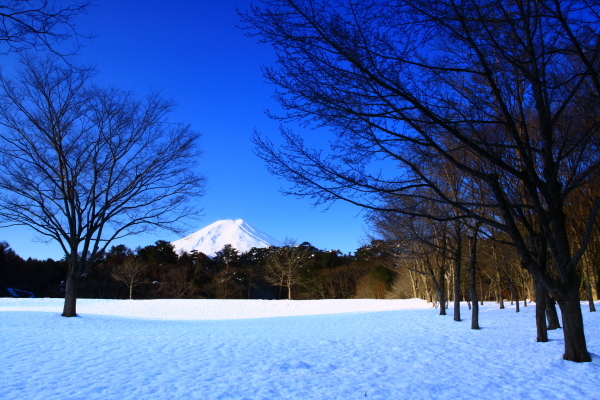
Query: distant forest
[(378, 270)]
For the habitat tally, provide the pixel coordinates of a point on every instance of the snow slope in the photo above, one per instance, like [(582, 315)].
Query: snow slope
[(215, 236), (321, 349)]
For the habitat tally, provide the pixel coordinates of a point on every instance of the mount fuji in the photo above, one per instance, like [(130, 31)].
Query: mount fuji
[(215, 236)]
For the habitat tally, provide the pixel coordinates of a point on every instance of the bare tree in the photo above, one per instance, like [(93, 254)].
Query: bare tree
[(38, 24), (590, 265), (431, 243), (129, 272), (472, 278), (514, 84), (83, 166), (176, 284), (282, 266), (339, 282)]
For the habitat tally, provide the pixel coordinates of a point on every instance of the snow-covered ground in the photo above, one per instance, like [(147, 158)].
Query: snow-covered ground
[(253, 349)]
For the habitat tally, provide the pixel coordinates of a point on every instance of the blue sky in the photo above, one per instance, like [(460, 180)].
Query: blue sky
[(193, 52)]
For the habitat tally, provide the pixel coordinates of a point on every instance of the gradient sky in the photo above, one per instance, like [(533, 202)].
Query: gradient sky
[(193, 52)]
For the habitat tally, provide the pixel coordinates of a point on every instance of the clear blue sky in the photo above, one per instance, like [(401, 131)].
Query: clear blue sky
[(193, 52)]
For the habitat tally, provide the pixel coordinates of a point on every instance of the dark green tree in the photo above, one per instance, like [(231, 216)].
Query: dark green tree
[(161, 253), (228, 281), (252, 266)]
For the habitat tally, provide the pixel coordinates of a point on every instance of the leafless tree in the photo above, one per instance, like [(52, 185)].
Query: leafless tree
[(370, 286), (129, 272), (472, 276), (513, 83), (38, 25), (176, 284), (432, 243), (339, 282), (282, 266), (83, 165), (579, 206)]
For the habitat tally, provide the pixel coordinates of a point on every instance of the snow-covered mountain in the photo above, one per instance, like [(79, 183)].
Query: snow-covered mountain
[(215, 236)]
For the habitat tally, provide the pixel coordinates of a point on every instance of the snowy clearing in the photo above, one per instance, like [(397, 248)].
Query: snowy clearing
[(257, 349)]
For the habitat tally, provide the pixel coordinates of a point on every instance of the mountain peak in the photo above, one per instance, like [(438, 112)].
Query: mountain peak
[(215, 236)]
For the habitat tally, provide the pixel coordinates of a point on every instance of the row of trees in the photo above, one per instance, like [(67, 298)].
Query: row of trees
[(478, 115), (413, 267), (156, 271), (452, 260)]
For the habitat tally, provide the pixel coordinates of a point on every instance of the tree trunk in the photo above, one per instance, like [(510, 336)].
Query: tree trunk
[(457, 278), (472, 282), (524, 286), (590, 298), (442, 293), (70, 309), (480, 289), (595, 284), (541, 295), (551, 314), (572, 318), (280, 288), (414, 283), (515, 295), (130, 292)]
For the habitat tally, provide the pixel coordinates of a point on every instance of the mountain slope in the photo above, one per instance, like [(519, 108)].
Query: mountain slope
[(215, 236)]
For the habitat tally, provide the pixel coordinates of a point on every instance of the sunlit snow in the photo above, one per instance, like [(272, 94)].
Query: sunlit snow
[(260, 349)]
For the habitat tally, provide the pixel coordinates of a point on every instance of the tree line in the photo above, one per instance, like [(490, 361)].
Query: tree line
[(383, 269), (480, 116), (157, 271)]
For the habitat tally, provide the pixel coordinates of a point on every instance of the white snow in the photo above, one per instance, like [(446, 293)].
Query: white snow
[(215, 236), (261, 349)]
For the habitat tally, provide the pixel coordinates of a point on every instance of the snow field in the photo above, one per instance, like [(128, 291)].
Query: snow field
[(211, 309), (246, 349)]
